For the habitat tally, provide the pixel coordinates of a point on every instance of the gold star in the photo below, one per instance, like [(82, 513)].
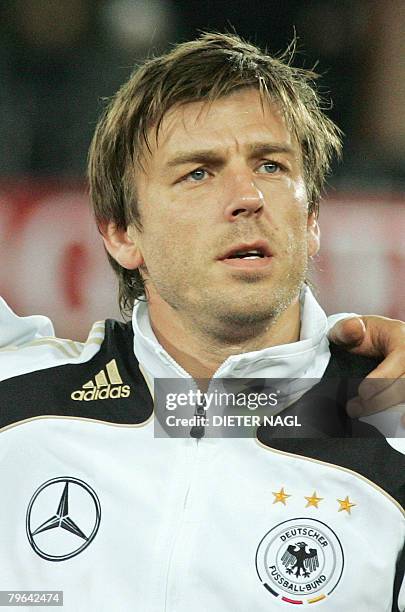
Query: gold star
[(345, 504), (280, 496), (313, 500)]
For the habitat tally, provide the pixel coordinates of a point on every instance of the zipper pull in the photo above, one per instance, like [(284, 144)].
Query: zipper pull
[(198, 431)]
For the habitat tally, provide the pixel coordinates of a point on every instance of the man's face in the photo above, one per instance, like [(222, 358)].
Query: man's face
[(222, 180)]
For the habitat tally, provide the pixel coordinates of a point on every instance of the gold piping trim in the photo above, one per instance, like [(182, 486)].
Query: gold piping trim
[(10, 347), (101, 323), (60, 344), (337, 467), (73, 418), (97, 327), (94, 341)]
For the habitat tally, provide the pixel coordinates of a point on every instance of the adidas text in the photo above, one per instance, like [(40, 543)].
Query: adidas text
[(112, 392)]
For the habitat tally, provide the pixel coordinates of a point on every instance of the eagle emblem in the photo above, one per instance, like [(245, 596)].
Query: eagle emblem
[(297, 558), (300, 561)]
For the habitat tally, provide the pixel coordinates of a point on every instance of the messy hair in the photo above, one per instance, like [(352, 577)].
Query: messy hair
[(208, 68)]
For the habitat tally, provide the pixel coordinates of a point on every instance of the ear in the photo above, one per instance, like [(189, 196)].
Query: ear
[(313, 235), (122, 245)]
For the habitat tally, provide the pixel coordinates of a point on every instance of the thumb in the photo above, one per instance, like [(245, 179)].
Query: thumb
[(348, 332)]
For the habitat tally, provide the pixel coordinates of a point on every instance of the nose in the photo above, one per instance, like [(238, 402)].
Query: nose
[(244, 198)]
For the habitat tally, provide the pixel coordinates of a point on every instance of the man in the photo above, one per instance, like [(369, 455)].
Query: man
[(205, 175)]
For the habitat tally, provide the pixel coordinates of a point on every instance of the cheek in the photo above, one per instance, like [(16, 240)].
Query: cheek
[(298, 199), (167, 244), (300, 192), (296, 241), (172, 226)]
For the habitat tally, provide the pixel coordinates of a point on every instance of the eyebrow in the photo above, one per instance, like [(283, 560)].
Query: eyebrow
[(209, 156), (196, 157), (259, 149)]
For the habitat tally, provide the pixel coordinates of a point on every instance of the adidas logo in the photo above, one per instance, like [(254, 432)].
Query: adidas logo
[(106, 386)]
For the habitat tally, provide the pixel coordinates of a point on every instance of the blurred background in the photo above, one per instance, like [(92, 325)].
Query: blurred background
[(60, 59)]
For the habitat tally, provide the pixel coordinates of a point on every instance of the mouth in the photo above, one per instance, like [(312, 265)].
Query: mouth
[(248, 256)]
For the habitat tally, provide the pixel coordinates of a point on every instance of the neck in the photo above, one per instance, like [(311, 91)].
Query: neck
[(200, 349)]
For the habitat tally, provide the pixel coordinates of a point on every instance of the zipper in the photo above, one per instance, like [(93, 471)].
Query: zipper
[(198, 431), (192, 455)]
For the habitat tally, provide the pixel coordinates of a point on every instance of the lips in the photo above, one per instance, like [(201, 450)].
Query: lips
[(248, 258), (259, 248)]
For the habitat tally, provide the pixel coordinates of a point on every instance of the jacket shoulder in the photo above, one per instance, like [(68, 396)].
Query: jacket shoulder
[(101, 381), (39, 351)]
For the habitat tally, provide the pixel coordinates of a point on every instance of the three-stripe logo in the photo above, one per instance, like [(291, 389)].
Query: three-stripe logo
[(107, 384)]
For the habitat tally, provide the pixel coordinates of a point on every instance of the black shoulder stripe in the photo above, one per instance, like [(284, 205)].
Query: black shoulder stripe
[(109, 387), (343, 363), (330, 430)]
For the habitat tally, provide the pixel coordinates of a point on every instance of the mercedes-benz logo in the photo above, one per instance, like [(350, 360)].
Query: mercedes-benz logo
[(55, 535)]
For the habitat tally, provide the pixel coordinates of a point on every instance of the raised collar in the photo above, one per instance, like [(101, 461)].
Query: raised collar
[(307, 358)]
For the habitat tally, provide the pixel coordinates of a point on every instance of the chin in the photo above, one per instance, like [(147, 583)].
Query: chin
[(247, 316), (259, 306)]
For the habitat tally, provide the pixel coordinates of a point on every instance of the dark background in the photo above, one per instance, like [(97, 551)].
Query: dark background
[(60, 58)]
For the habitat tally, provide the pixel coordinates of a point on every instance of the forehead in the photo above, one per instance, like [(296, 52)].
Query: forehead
[(235, 120)]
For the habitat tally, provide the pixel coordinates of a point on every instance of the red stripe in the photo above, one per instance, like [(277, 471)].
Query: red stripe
[(294, 601)]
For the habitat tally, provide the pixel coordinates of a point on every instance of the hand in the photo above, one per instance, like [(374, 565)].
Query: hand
[(373, 336)]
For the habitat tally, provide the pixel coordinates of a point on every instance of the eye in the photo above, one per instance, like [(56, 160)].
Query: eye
[(197, 175), (269, 167)]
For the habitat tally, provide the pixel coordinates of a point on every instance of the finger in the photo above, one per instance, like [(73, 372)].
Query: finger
[(348, 332), (354, 408), (391, 395), (383, 375)]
